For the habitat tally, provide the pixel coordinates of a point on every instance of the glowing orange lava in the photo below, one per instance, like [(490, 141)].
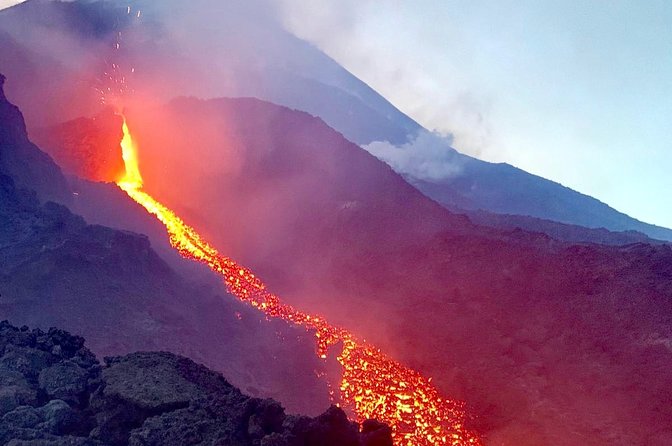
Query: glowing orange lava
[(132, 178), (373, 385)]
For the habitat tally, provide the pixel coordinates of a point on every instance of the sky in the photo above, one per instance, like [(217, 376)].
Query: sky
[(576, 91)]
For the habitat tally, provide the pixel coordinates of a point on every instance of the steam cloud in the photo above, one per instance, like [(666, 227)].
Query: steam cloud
[(428, 157), (7, 3)]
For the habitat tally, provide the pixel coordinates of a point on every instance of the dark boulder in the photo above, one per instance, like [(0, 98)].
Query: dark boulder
[(65, 381), (266, 420), (27, 361), (375, 433), (332, 428), (151, 382), (14, 396), (60, 419), (23, 417)]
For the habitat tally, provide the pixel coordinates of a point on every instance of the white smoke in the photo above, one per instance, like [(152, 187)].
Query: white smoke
[(428, 157), (7, 3)]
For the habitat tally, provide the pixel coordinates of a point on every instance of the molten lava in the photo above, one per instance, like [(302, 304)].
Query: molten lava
[(373, 385), (132, 178)]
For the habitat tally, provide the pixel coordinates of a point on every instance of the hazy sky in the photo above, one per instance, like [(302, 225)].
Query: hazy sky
[(573, 90), (576, 91)]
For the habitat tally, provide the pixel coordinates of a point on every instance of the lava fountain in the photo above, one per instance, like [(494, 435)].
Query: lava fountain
[(373, 385)]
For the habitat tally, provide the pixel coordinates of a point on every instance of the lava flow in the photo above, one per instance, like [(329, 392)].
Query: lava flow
[(373, 385)]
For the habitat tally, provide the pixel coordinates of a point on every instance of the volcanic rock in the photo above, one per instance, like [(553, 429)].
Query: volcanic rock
[(376, 433), (146, 399), (28, 165), (65, 380)]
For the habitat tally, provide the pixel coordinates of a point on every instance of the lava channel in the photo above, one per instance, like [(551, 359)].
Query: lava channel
[(373, 385)]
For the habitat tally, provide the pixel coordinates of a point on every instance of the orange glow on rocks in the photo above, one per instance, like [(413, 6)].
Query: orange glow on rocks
[(373, 385)]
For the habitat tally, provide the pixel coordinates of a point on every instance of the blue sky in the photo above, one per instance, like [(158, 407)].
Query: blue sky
[(576, 91)]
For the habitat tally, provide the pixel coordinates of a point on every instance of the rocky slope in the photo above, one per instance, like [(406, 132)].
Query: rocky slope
[(54, 392), (112, 287), (22, 159), (548, 342)]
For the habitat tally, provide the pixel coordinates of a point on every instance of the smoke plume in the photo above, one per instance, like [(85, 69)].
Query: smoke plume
[(428, 157)]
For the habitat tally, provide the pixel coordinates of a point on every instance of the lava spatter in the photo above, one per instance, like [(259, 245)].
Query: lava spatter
[(373, 385)]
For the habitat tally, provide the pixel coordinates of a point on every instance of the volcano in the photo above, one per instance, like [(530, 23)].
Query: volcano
[(254, 57), (505, 307), (314, 273), (112, 287)]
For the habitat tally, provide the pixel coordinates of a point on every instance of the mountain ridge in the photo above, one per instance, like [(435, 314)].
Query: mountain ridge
[(259, 58), (480, 189)]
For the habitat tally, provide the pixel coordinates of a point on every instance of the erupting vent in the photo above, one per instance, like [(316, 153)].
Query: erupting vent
[(373, 385)]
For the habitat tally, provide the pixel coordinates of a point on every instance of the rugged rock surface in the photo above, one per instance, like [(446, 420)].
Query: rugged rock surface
[(55, 392), (27, 164)]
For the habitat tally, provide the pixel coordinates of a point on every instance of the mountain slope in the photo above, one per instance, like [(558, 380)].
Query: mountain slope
[(254, 57), (98, 139), (551, 344), (335, 231), (21, 159), (112, 287), (547, 342), (504, 189), (558, 231)]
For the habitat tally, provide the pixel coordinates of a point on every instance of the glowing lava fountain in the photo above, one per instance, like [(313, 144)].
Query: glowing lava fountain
[(373, 385)]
